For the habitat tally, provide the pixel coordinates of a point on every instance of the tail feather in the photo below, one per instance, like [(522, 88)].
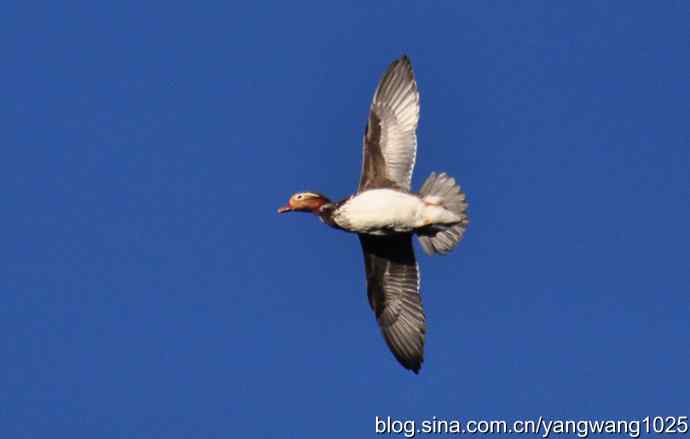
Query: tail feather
[(441, 239)]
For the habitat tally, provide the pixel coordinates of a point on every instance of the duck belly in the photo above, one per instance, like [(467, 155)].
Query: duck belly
[(382, 212)]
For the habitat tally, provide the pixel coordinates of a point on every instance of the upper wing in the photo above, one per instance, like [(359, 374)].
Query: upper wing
[(393, 290), (390, 140)]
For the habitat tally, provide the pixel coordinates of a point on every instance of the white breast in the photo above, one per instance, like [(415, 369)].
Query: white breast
[(381, 211)]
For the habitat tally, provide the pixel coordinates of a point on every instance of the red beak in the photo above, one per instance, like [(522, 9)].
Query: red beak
[(285, 209)]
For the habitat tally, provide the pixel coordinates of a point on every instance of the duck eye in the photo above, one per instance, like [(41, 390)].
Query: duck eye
[(299, 197)]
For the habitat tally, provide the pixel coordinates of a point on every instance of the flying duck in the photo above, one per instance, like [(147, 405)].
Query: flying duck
[(385, 213)]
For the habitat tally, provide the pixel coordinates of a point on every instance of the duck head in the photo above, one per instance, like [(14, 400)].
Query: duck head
[(305, 202)]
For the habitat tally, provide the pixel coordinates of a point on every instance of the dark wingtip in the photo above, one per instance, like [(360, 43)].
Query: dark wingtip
[(413, 366), (406, 63), (403, 59)]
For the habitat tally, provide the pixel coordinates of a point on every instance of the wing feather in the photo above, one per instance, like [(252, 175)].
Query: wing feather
[(390, 140), (393, 291)]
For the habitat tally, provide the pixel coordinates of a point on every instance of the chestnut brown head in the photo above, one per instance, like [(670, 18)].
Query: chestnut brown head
[(304, 202)]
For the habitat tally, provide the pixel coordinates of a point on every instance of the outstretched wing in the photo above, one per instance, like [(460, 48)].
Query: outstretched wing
[(393, 290), (390, 140)]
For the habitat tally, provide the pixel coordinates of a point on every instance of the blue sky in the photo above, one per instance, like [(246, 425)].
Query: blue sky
[(149, 289)]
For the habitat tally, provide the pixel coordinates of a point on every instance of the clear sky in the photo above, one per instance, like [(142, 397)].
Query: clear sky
[(149, 289)]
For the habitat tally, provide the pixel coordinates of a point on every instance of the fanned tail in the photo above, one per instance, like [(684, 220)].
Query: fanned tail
[(442, 189)]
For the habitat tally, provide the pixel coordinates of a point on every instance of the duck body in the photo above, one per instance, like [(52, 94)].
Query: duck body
[(390, 211)]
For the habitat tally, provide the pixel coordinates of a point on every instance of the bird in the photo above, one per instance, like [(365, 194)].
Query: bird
[(385, 213)]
